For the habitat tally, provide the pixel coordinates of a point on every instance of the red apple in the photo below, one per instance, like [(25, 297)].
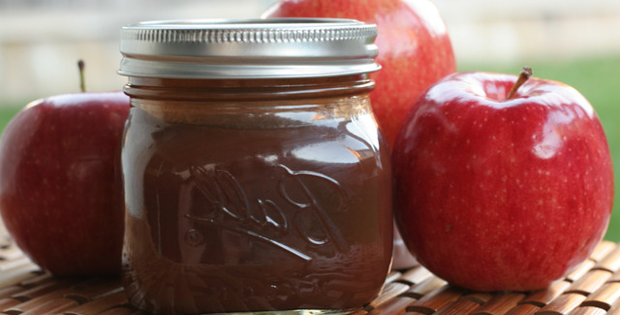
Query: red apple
[(494, 192), (60, 183), (414, 48)]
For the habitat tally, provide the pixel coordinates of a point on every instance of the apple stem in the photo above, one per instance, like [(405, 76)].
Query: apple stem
[(82, 80), (526, 73)]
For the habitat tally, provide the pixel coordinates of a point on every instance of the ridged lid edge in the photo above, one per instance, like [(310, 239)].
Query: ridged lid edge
[(255, 48)]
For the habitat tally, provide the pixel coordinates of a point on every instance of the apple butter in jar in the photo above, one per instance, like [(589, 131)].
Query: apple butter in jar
[(255, 177)]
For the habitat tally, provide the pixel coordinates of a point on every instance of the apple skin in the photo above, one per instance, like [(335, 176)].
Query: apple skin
[(494, 194), (61, 185), (414, 49)]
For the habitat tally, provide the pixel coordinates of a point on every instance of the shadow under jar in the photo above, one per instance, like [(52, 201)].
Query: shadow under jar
[(255, 177)]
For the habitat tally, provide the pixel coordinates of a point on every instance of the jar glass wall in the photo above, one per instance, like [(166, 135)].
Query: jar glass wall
[(255, 195)]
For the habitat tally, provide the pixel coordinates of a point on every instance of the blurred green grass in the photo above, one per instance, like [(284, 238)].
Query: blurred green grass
[(597, 78), (7, 111)]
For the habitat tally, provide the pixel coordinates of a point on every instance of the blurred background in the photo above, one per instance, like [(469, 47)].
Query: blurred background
[(576, 42)]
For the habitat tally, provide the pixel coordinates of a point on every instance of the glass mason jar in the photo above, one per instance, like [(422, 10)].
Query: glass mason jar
[(255, 176)]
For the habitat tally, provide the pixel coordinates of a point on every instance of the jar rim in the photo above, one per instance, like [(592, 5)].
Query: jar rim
[(248, 48)]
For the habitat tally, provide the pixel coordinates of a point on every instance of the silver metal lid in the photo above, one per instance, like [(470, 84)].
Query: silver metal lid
[(257, 48)]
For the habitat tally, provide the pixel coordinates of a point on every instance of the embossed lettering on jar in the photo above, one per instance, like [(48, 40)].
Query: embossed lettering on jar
[(249, 193)]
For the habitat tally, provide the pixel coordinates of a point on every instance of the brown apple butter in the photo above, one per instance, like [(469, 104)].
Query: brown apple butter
[(254, 195)]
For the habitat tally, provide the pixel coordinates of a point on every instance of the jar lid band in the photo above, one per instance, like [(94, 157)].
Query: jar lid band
[(256, 48)]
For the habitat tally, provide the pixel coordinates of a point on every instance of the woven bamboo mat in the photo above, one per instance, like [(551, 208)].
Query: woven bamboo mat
[(594, 289)]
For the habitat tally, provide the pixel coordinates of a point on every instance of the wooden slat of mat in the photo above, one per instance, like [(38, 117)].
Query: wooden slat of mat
[(615, 308), (591, 289), (500, 304), (17, 275), (604, 297), (390, 291), (611, 262), (587, 310), (37, 279), (524, 309), (394, 306), (121, 310), (100, 305), (477, 297), (93, 290), (590, 282), (39, 303), (563, 305), (7, 303), (542, 297), (7, 292), (602, 250), (415, 275), (45, 288), (581, 270), (458, 307), (52, 306), (421, 289), (392, 276), (435, 300), (9, 250)]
